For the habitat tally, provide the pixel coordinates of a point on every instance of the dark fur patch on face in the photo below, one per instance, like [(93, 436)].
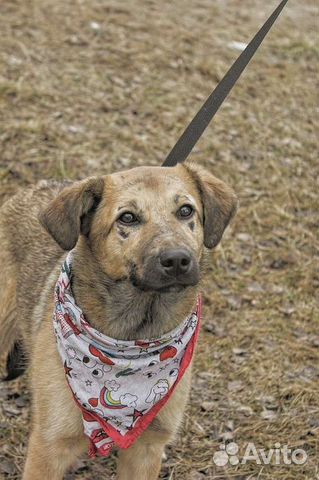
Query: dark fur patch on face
[(176, 199), (123, 233), (191, 225)]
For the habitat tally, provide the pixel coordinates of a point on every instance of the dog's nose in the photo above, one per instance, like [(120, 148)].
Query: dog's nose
[(176, 262)]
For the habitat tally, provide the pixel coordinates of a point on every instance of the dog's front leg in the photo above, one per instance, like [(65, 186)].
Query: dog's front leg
[(50, 461), (57, 437), (142, 461)]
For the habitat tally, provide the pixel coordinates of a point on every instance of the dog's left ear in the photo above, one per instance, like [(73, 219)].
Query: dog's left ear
[(219, 203), (71, 212)]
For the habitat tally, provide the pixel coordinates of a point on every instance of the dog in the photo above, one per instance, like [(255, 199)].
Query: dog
[(139, 239)]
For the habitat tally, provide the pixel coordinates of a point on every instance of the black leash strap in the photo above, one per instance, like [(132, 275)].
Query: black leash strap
[(195, 129)]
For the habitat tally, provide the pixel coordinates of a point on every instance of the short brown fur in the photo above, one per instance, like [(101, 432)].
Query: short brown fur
[(110, 262)]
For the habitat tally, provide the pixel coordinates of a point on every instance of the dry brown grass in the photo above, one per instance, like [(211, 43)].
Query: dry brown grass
[(76, 101)]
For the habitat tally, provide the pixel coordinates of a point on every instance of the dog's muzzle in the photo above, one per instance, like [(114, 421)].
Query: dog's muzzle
[(174, 267)]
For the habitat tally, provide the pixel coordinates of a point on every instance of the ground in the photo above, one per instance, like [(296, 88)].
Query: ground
[(93, 87)]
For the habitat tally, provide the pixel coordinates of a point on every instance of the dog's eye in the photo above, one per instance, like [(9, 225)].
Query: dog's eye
[(128, 218), (185, 211)]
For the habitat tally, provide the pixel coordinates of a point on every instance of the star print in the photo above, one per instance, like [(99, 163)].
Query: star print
[(67, 370), (143, 350), (179, 341), (88, 383), (136, 414), (176, 360), (116, 421)]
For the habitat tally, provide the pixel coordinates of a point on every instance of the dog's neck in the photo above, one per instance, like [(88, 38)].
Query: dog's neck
[(119, 309)]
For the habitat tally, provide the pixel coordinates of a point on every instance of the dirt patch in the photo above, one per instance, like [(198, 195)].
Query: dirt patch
[(91, 87)]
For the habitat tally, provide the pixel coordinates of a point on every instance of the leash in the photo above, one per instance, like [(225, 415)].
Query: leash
[(197, 126)]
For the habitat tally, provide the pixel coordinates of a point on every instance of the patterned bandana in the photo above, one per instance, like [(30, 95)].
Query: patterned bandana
[(120, 386)]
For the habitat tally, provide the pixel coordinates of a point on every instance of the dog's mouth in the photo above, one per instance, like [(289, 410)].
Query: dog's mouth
[(164, 288)]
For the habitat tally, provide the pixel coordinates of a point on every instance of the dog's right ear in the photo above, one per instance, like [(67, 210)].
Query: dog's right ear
[(70, 213)]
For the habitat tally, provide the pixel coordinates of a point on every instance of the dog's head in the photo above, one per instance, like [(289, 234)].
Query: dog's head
[(147, 225)]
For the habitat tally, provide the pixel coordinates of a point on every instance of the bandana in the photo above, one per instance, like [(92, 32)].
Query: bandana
[(120, 386)]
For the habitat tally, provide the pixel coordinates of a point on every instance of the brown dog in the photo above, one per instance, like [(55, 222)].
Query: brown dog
[(138, 238)]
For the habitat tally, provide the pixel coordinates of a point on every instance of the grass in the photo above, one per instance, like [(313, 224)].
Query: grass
[(77, 101)]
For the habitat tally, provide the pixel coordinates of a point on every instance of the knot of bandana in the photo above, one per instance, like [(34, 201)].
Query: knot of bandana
[(119, 386)]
